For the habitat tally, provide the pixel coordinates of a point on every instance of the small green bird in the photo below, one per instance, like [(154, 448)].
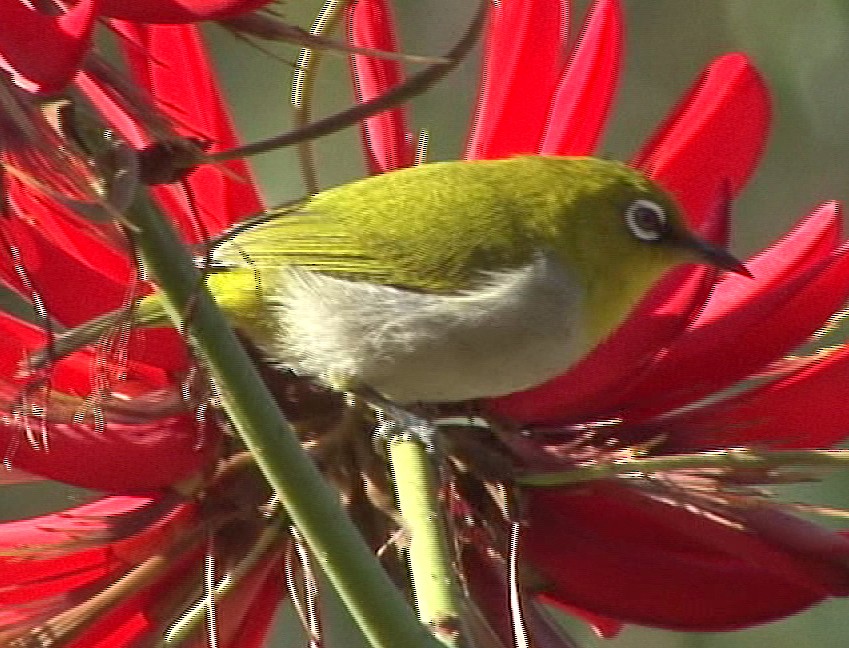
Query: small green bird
[(452, 281)]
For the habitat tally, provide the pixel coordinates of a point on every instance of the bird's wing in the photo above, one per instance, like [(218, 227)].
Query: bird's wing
[(421, 238)]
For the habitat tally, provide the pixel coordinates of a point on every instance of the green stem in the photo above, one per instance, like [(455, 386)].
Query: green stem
[(375, 603), (436, 591), (729, 460)]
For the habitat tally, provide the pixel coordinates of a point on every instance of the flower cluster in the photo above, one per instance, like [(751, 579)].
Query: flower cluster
[(184, 511)]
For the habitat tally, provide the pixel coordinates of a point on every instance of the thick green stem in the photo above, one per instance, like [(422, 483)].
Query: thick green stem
[(375, 603), (728, 460), (434, 584)]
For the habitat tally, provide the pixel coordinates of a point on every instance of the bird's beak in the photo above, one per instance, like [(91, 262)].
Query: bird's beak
[(716, 256)]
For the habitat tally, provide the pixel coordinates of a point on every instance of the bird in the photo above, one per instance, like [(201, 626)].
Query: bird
[(448, 281)]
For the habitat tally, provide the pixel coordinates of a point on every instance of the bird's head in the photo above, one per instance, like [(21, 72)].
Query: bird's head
[(620, 232)]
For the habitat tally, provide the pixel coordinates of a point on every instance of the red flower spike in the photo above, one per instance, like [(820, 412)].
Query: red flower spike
[(714, 137), (524, 43), (387, 142), (584, 96), (178, 11), (671, 566), (41, 52), (171, 64)]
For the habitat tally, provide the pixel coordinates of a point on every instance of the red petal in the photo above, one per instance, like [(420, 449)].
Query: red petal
[(178, 11), (132, 622), (386, 139), (57, 571), (748, 324), (171, 64), (524, 44), (713, 138), (583, 99), (41, 52), (618, 553), (78, 373), (808, 409), (58, 256), (120, 457)]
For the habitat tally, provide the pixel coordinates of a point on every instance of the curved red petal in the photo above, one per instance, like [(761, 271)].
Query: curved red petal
[(807, 409), (43, 248), (748, 324), (37, 555), (713, 138), (78, 373), (41, 52), (585, 94), (386, 139), (178, 11), (618, 553), (118, 455), (170, 62), (524, 43)]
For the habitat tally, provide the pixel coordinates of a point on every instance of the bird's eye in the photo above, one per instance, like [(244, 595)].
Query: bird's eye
[(646, 220)]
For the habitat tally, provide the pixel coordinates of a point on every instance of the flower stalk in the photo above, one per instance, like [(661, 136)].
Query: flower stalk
[(434, 582), (367, 591)]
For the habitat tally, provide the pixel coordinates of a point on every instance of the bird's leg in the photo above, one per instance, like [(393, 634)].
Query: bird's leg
[(396, 420)]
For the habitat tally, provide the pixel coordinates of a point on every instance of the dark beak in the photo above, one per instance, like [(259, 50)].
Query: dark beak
[(716, 256)]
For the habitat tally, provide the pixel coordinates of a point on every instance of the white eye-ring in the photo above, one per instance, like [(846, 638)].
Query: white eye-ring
[(646, 220)]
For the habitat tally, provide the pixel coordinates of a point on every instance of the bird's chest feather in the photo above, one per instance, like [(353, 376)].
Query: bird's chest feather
[(514, 330)]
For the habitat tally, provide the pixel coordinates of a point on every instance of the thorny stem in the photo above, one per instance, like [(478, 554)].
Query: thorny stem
[(374, 602), (415, 85), (728, 460)]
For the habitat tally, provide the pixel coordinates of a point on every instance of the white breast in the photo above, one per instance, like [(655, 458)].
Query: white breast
[(516, 330)]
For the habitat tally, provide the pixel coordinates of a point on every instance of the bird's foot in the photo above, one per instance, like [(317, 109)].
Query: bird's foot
[(395, 420)]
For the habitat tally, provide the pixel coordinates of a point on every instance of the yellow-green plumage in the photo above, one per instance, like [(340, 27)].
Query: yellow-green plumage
[(453, 280)]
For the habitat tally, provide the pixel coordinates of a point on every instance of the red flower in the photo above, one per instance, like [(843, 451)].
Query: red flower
[(44, 52), (117, 419), (628, 551)]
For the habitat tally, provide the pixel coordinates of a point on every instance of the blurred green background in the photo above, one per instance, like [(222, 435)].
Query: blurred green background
[(802, 48)]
